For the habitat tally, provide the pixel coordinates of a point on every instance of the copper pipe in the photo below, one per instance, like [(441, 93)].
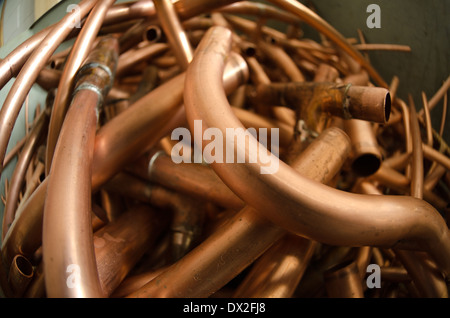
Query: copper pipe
[(344, 281), (311, 99), (278, 271), (48, 78), (436, 97), (174, 32), (152, 34), (80, 50), (11, 65), (260, 10), (20, 275), (434, 155), (282, 60), (120, 244), (430, 281), (444, 116), (311, 18), (194, 179), (136, 55), (231, 248), (433, 177), (427, 120), (112, 152), (143, 122), (17, 179), (382, 47), (394, 274), (132, 283), (121, 12), (366, 156), (417, 154), (301, 193), (67, 239), (30, 71)]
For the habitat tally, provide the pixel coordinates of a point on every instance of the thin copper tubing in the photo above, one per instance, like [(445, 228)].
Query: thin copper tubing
[(417, 154), (141, 54), (311, 18), (78, 53), (240, 240), (174, 32), (30, 71), (17, 180), (67, 238), (295, 193)]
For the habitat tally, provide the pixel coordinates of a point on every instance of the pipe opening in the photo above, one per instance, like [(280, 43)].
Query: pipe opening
[(152, 34), (23, 265), (366, 164), (250, 51), (387, 107)]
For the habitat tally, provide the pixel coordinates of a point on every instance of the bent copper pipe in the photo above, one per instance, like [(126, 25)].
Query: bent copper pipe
[(261, 10), (282, 60), (67, 239), (303, 210), (30, 71), (78, 54), (231, 248)]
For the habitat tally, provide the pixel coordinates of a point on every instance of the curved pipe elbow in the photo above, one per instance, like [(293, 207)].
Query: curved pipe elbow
[(353, 218)]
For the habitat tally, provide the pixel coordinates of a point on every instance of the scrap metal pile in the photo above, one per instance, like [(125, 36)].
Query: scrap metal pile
[(97, 205)]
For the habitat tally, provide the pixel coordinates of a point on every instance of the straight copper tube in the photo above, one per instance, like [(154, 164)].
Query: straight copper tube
[(344, 281), (366, 156), (347, 213), (20, 275), (278, 271), (120, 244), (174, 32), (194, 179)]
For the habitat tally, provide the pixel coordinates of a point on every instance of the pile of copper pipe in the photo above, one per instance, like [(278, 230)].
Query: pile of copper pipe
[(98, 206)]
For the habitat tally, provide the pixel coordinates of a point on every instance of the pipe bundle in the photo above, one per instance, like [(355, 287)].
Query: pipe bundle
[(98, 207)]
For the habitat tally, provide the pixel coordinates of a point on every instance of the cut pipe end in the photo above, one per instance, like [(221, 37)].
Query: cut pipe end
[(366, 164)]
